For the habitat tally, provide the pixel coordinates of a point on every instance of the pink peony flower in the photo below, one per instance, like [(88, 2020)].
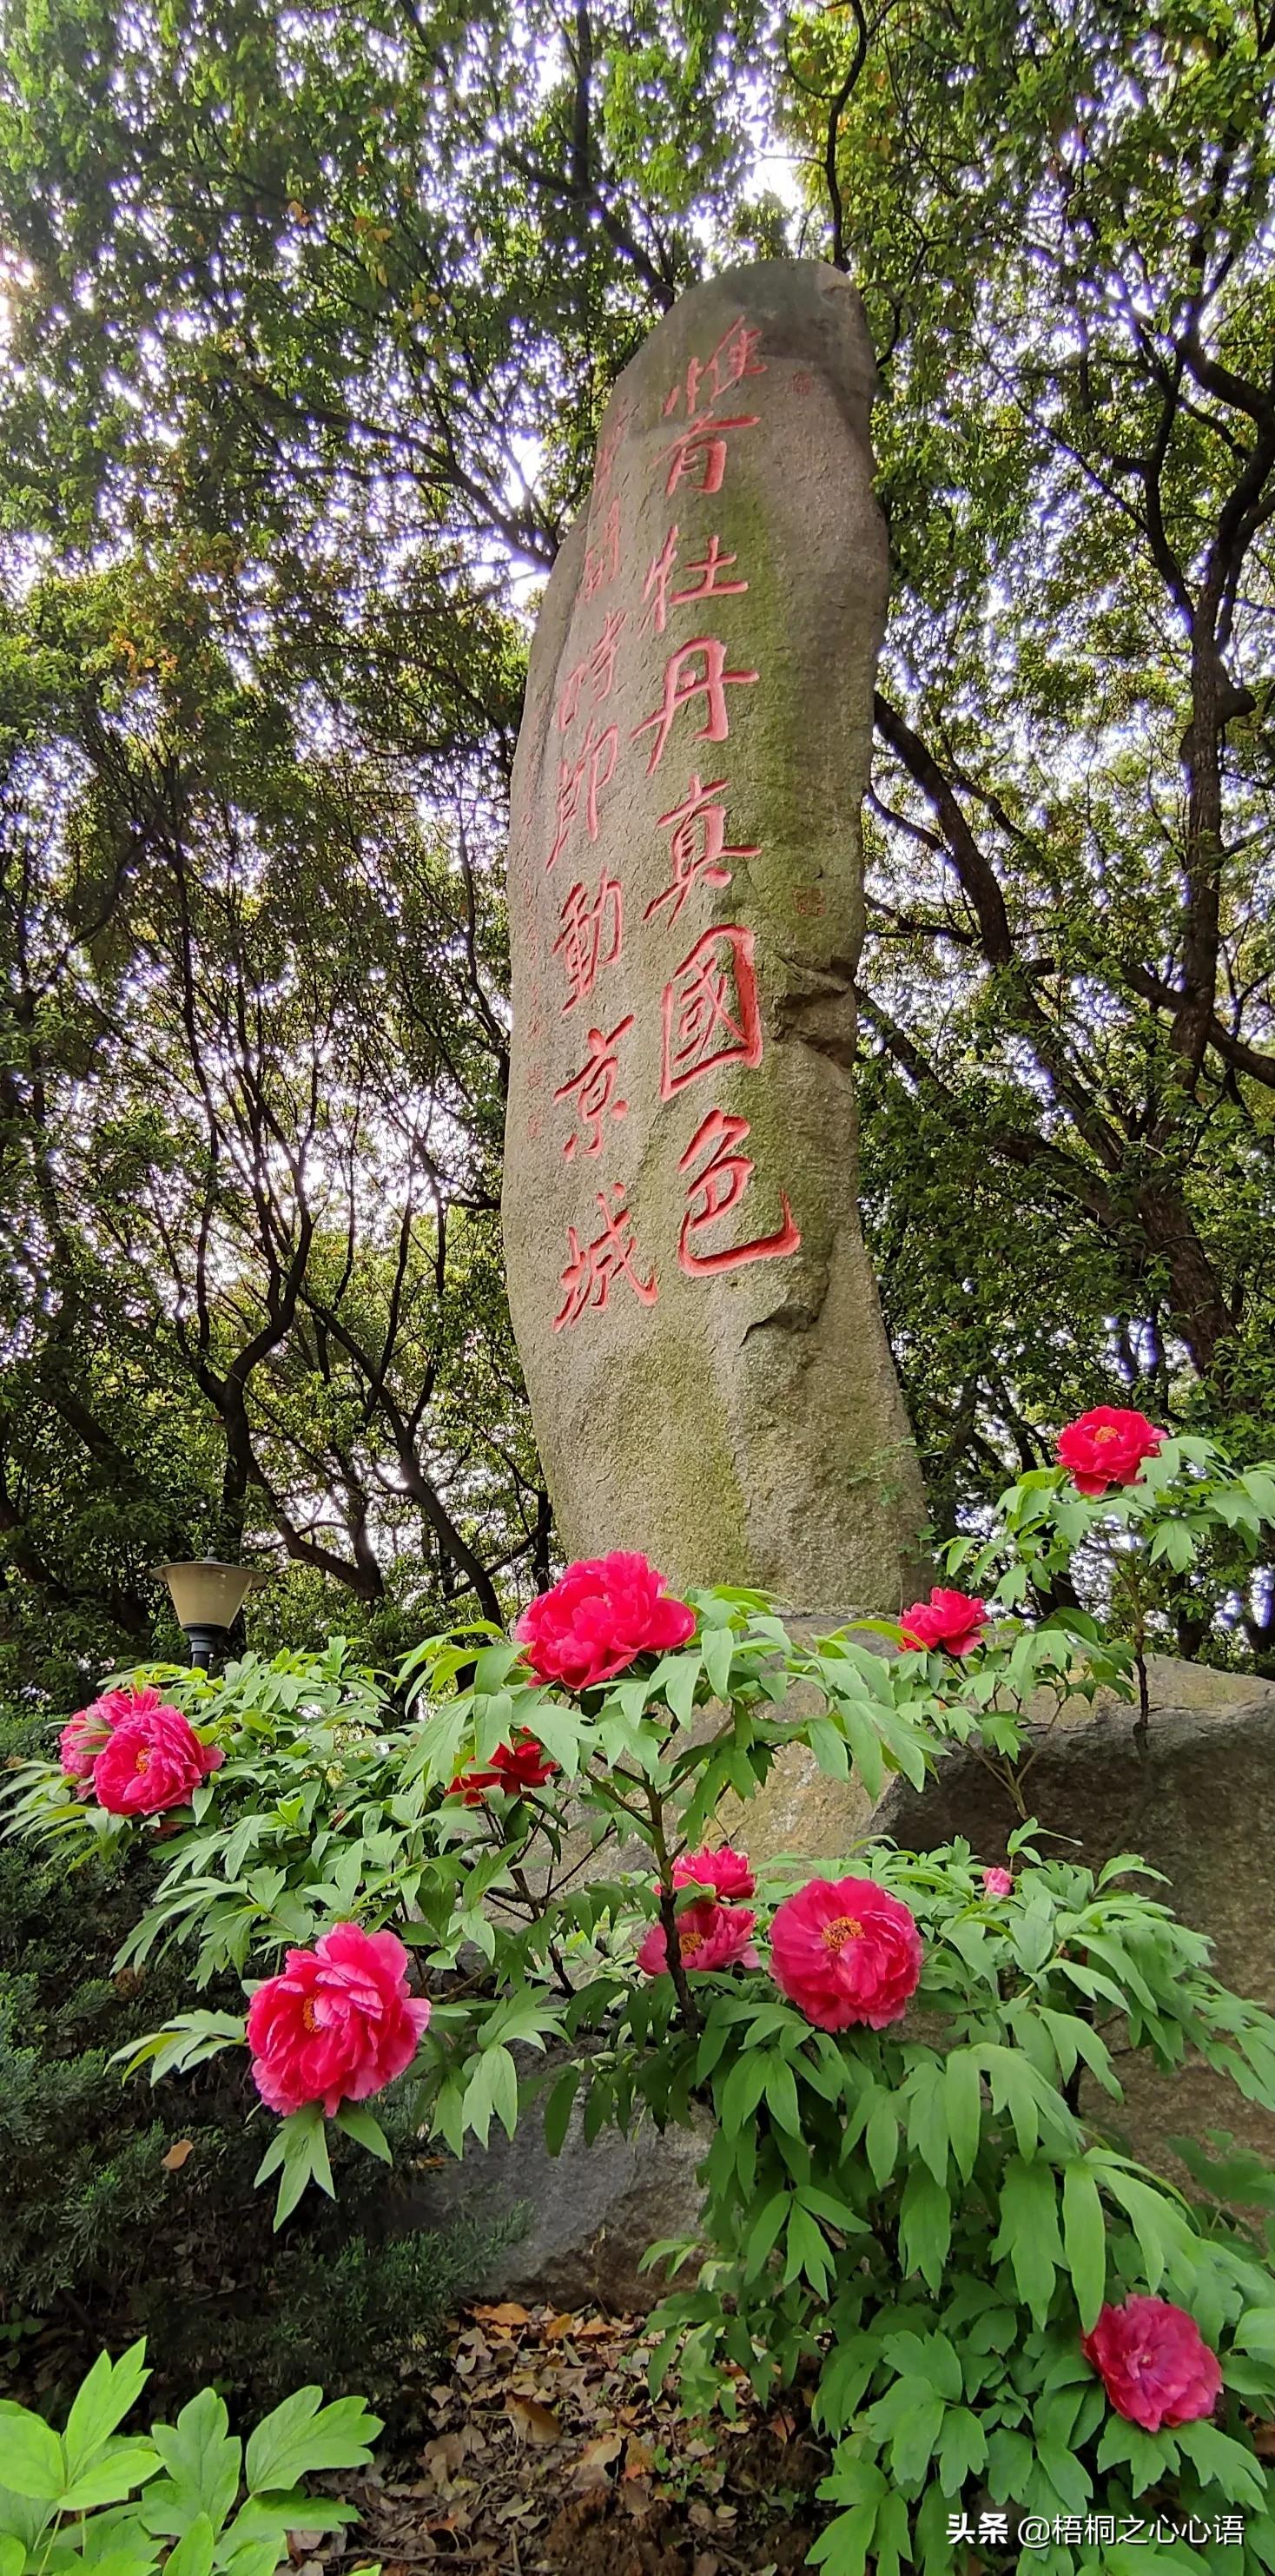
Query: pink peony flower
[(846, 1951), (84, 1735), (726, 1871), (114, 1705), (515, 1767), (606, 1611), (151, 1759), (708, 1936), (1106, 1447), (80, 1743), (337, 2024), (1154, 2363), (948, 1619), (998, 1882)]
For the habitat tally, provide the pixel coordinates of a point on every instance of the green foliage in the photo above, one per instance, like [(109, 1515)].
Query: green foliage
[(245, 1275), (255, 748), (311, 320), (922, 2219), (189, 2495), (1060, 223), (929, 2217), (94, 2222)]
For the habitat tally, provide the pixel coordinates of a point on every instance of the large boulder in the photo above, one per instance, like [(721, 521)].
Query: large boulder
[(699, 1327)]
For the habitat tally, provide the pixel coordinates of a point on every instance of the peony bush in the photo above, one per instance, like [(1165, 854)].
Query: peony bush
[(510, 1890)]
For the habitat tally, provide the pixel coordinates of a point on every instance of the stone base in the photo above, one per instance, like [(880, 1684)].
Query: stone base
[(593, 2210)]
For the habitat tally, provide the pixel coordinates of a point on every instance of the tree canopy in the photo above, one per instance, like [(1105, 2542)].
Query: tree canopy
[(312, 315)]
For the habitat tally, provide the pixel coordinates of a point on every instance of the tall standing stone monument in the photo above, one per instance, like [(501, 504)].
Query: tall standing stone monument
[(708, 1369)]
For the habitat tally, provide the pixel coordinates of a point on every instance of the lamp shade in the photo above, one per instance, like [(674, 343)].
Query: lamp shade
[(207, 1594)]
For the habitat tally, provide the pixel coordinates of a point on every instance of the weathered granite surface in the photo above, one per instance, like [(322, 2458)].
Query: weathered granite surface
[(592, 2211), (701, 1335)]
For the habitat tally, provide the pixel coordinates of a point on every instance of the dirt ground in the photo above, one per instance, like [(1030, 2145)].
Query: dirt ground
[(547, 2456)]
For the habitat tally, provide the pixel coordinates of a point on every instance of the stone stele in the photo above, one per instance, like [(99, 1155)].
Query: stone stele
[(707, 1365)]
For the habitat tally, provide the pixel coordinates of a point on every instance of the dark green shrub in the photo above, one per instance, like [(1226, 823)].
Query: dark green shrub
[(105, 2239)]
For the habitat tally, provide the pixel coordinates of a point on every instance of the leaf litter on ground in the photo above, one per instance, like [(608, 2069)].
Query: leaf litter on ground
[(546, 2455)]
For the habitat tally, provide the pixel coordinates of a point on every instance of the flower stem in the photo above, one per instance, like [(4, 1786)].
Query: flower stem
[(668, 1913)]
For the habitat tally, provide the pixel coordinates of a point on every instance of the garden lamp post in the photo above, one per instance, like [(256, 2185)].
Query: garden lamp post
[(207, 1597)]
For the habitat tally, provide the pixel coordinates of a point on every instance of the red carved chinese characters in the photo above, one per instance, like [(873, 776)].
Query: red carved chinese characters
[(681, 692), (595, 1084), (586, 920), (608, 449), (596, 767), (698, 454), (602, 562), (655, 588), (707, 379), (569, 700), (602, 658), (598, 666), (592, 1269), (715, 1190), (711, 1014), (697, 846), (710, 1006)]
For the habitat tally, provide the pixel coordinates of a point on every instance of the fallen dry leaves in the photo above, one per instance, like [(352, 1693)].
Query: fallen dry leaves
[(548, 2457)]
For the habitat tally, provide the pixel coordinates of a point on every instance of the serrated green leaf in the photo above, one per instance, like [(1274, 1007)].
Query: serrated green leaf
[(111, 2476), (962, 2451), (1029, 2232), (963, 2092), (1149, 2457), (557, 2112), (303, 2435), (362, 2125), (202, 2459), (925, 2226), (193, 2555), (1224, 2463), (101, 2402), (1010, 2462), (34, 2461), (927, 2118), (1085, 2240), (913, 2445), (881, 2140)]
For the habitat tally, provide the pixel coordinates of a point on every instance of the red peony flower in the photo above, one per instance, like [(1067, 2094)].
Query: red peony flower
[(337, 2024), (1154, 2363), (845, 1951), (998, 1882), (708, 1936), (151, 1759), (725, 1871), (515, 1767), (1106, 1447), (606, 1611), (84, 1735), (948, 1619)]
